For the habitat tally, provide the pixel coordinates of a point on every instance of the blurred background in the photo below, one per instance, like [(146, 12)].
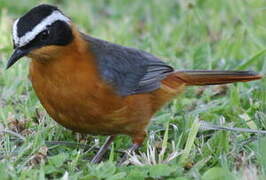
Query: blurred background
[(188, 34)]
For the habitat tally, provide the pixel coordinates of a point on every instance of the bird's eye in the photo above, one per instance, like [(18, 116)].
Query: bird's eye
[(44, 35)]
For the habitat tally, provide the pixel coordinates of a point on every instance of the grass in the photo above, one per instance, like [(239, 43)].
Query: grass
[(194, 34)]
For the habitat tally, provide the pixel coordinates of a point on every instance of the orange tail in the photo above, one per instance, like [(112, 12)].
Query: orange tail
[(215, 77)]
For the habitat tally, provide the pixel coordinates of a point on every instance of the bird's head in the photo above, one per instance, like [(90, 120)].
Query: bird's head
[(39, 32)]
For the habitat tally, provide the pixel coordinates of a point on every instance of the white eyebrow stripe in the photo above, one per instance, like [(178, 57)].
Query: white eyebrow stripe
[(29, 36), (15, 35)]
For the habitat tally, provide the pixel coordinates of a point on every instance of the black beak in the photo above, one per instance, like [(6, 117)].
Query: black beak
[(17, 54)]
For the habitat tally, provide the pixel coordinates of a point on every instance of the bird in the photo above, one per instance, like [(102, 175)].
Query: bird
[(98, 87)]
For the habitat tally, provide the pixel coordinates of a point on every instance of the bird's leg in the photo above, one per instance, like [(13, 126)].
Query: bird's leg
[(137, 142), (99, 156), (133, 148)]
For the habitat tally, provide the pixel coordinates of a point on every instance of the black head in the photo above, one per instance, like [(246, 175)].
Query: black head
[(43, 25)]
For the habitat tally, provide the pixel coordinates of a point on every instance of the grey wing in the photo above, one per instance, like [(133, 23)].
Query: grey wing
[(129, 71)]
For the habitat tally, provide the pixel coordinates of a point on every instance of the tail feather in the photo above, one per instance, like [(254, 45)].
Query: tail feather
[(215, 77)]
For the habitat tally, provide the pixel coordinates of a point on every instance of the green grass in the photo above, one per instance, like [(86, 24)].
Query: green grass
[(194, 34)]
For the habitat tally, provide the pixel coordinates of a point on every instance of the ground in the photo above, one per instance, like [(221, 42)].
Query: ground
[(188, 34)]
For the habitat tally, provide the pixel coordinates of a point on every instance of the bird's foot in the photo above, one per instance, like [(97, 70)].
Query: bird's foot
[(132, 149)]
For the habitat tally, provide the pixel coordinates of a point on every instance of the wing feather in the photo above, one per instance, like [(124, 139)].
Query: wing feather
[(128, 70)]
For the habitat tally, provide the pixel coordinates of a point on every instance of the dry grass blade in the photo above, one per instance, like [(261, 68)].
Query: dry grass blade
[(208, 126), (153, 157), (13, 133)]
